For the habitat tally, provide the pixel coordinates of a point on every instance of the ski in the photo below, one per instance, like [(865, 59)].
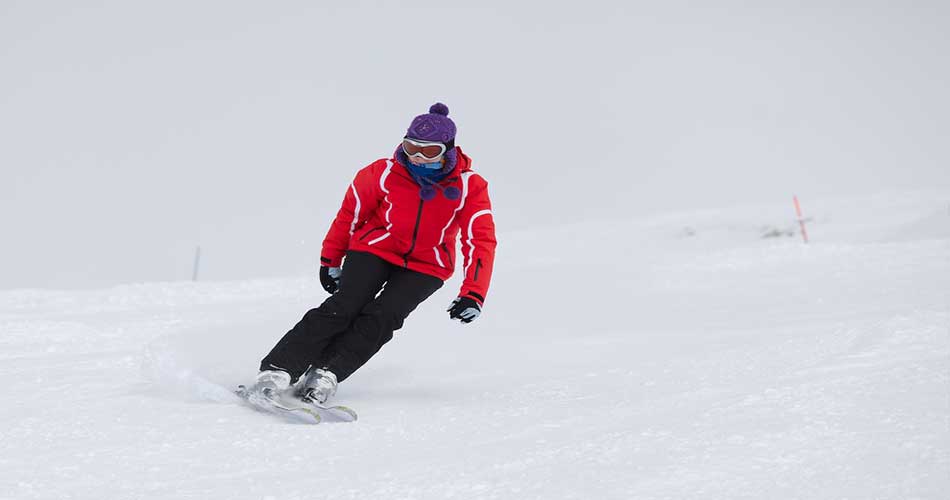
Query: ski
[(278, 407), (297, 410), (336, 413)]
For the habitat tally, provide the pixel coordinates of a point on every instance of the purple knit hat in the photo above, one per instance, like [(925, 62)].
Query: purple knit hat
[(434, 126)]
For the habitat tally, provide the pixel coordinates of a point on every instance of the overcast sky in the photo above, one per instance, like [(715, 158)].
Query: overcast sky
[(130, 132)]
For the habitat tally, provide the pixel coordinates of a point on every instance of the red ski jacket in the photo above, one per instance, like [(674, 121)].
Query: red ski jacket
[(384, 214)]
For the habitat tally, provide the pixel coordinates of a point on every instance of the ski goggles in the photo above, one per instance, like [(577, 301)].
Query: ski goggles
[(427, 150)]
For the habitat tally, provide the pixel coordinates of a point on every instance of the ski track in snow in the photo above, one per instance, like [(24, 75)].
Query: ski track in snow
[(677, 356)]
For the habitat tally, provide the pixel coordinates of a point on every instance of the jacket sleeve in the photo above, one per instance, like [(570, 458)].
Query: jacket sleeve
[(359, 203), (477, 226)]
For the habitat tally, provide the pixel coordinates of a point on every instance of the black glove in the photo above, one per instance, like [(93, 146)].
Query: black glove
[(330, 278), (464, 309)]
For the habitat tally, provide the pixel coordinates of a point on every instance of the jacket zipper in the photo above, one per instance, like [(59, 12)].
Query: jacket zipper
[(478, 267), (415, 233)]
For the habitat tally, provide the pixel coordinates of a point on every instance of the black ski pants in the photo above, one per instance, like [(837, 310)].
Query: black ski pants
[(353, 323)]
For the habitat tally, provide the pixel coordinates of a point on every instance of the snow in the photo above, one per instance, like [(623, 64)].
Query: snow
[(680, 355)]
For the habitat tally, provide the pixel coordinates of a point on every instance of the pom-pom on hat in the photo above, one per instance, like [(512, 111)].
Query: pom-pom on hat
[(434, 126)]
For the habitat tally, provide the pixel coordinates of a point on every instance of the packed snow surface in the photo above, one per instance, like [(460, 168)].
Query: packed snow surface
[(676, 356)]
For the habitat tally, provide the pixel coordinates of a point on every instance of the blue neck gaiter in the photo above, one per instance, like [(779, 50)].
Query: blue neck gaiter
[(431, 171)]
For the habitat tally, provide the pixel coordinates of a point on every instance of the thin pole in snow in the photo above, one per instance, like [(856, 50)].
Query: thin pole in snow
[(194, 272), (801, 220)]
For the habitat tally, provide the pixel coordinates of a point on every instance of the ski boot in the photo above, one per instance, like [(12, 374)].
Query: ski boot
[(267, 388), (318, 387)]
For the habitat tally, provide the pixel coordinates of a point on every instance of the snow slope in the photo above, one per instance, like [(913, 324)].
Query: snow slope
[(674, 356)]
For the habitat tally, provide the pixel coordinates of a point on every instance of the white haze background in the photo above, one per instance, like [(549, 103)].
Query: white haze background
[(641, 338), (133, 131)]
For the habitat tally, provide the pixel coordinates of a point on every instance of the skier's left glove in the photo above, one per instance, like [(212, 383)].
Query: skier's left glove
[(330, 278), (464, 309)]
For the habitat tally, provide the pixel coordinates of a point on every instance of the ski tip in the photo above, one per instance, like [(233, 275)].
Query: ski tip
[(339, 413), (316, 416), (349, 411)]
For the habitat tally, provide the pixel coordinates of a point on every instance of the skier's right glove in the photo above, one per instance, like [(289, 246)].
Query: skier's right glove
[(330, 278)]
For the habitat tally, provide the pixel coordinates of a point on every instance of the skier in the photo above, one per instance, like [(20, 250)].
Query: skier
[(391, 246)]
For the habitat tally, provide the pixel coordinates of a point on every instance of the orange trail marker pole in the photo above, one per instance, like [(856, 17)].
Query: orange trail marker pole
[(801, 220)]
